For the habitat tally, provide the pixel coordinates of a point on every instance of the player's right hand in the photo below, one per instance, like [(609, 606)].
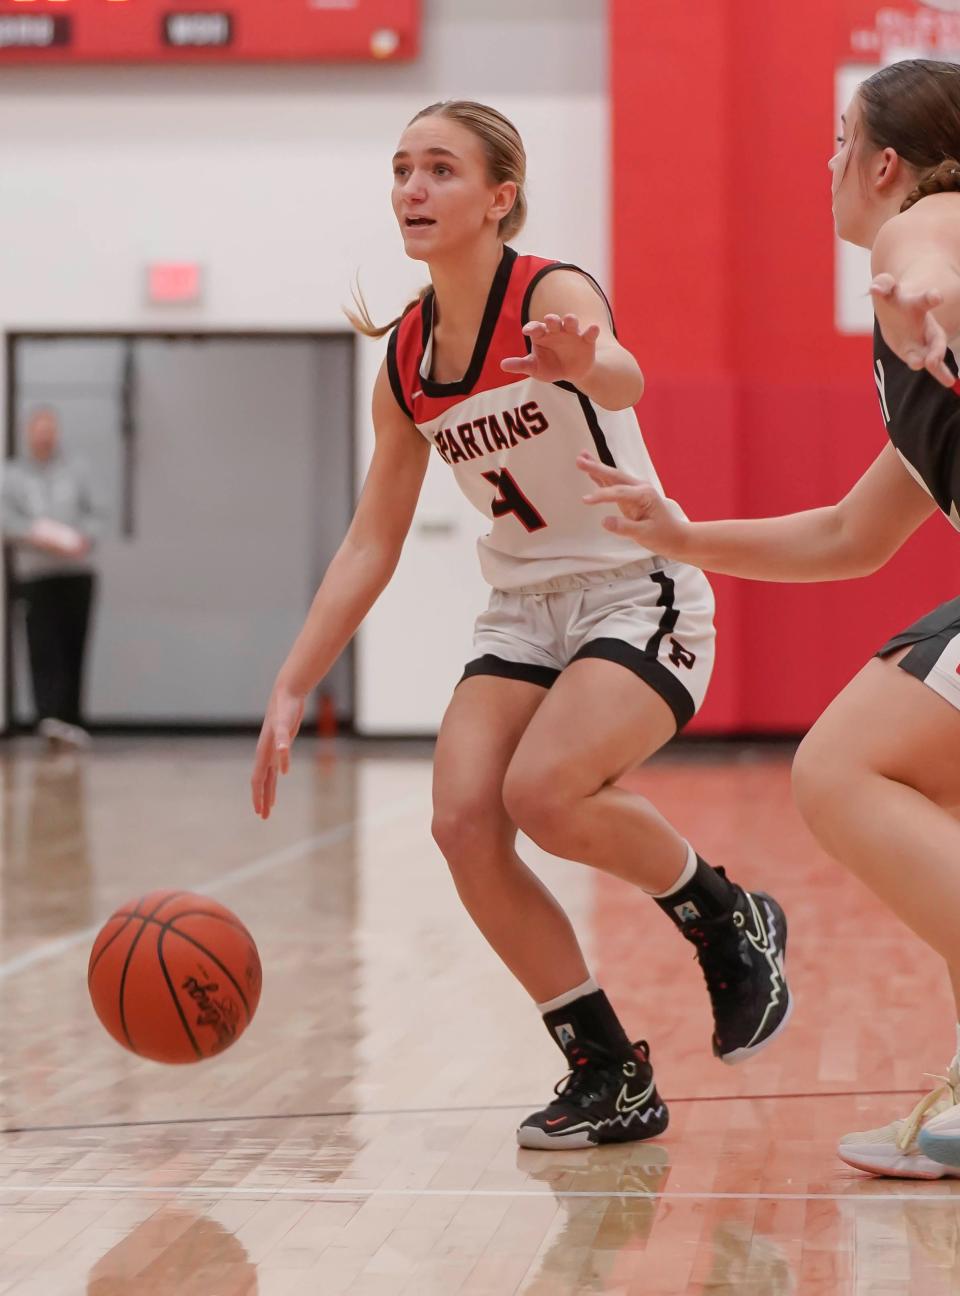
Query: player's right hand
[(646, 517), (281, 725), (910, 328)]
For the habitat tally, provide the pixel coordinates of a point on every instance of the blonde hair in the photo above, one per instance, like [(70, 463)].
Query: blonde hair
[(506, 161)]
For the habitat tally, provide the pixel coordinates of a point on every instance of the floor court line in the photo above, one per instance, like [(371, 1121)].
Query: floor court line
[(320, 1192), (428, 1111), (256, 867)]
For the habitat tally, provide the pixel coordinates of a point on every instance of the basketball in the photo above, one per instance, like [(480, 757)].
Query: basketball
[(174, 977)]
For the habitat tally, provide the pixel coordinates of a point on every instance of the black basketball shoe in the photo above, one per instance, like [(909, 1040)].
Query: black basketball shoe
[(741, 955), (606, 1098)]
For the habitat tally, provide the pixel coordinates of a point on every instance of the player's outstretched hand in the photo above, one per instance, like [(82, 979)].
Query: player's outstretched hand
[(281, 725), (910, 328), (561, 351), (654, 522)]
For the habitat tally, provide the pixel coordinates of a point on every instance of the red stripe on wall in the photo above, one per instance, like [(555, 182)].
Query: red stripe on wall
[(723, 119)]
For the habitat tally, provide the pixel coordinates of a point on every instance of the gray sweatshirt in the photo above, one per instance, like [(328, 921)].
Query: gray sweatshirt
[(56, 489)]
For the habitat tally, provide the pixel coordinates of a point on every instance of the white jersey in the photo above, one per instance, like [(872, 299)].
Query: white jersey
[(512, 440)]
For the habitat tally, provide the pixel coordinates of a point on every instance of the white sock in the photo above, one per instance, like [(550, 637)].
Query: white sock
[(689, 868), (589, 987)]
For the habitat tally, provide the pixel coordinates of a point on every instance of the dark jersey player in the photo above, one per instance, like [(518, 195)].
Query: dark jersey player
[(878, 777)]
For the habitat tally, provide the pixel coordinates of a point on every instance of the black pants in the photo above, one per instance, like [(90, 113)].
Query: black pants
[(58, 617)]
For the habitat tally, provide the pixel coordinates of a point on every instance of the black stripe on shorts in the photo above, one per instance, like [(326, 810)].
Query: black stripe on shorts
[(668, 622), (927, 639), (526, 672), (644, 662), (645, 667)]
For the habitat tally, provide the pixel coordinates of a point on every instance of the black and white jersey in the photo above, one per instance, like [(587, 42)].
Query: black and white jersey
[(923, 420)]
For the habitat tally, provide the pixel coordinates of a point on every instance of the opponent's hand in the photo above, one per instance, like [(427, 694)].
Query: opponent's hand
[(909, 327), (281, 725), (562, 351), (652, 521)]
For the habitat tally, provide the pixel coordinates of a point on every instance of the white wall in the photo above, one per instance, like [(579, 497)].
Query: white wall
[(852, 300), (277, 180)]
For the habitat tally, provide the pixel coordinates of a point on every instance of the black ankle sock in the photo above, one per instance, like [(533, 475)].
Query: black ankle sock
[(590, 1017), (708, 894)]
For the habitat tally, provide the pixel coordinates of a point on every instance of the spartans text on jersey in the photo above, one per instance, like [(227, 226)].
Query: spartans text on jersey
[(495, 432)]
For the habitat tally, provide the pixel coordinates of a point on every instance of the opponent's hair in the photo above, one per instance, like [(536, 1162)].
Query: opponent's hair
[(506, 160), (913, 107)]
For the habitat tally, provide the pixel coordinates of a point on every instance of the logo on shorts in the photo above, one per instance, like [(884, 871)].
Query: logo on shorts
[(686, 911), (681, 656)]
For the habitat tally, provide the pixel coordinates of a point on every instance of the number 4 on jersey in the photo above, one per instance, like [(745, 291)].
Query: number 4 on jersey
[(511, 499)]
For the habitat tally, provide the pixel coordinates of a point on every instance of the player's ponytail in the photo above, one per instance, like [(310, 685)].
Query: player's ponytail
[(942, 179), (362, 320), (913, 107), (506, 161)]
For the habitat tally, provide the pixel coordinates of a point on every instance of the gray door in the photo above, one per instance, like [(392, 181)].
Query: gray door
[(227, 495)]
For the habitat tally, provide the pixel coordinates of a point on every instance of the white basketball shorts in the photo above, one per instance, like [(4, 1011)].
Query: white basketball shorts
[(653, 617)]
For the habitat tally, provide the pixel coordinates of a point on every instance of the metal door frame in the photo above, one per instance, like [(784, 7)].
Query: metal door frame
[(11, 339)]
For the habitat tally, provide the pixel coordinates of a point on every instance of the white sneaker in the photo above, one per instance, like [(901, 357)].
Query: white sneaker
[(897, 1150), (59, 733), (940, 1139)]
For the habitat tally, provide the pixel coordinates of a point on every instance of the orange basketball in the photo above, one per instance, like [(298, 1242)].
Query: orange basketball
[(174, 977)]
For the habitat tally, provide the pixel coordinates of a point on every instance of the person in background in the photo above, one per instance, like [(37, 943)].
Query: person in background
[(50, 524)]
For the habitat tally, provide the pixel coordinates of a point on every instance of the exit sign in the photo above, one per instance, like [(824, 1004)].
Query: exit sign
[(176, 282)]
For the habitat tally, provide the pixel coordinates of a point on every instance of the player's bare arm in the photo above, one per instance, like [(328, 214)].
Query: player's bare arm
[(571, 340), (358, 574), (852, 538)]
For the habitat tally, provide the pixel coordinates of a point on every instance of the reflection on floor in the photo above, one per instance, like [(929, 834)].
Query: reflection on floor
[(360, 1138)]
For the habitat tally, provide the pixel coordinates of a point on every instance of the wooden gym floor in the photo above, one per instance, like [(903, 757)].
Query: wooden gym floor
[(360, 1138)]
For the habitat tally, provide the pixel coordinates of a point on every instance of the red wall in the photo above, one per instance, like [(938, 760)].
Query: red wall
[(723, 121)]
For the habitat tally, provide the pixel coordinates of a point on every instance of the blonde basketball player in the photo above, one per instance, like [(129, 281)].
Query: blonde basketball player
[(590, 656), (878, 776)]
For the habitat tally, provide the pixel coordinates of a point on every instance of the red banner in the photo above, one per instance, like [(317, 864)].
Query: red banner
[(165, 31), (872, 32)]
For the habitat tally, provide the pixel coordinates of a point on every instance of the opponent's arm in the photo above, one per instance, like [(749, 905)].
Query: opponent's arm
[(357, 575), (851, 538), (572, 341)]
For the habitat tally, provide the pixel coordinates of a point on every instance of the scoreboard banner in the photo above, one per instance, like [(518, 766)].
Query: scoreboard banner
[(206, 31), (877, 33)]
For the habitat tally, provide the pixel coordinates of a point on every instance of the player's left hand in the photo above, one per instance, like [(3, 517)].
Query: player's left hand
[(280, 726), (647, 517), (562, 351), (910, 328)]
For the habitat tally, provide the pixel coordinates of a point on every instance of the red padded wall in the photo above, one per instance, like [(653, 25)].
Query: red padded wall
[(723, 121)]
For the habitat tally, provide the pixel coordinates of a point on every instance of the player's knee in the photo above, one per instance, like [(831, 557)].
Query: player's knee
[(467, 832), (535, 802), (817, 780)]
